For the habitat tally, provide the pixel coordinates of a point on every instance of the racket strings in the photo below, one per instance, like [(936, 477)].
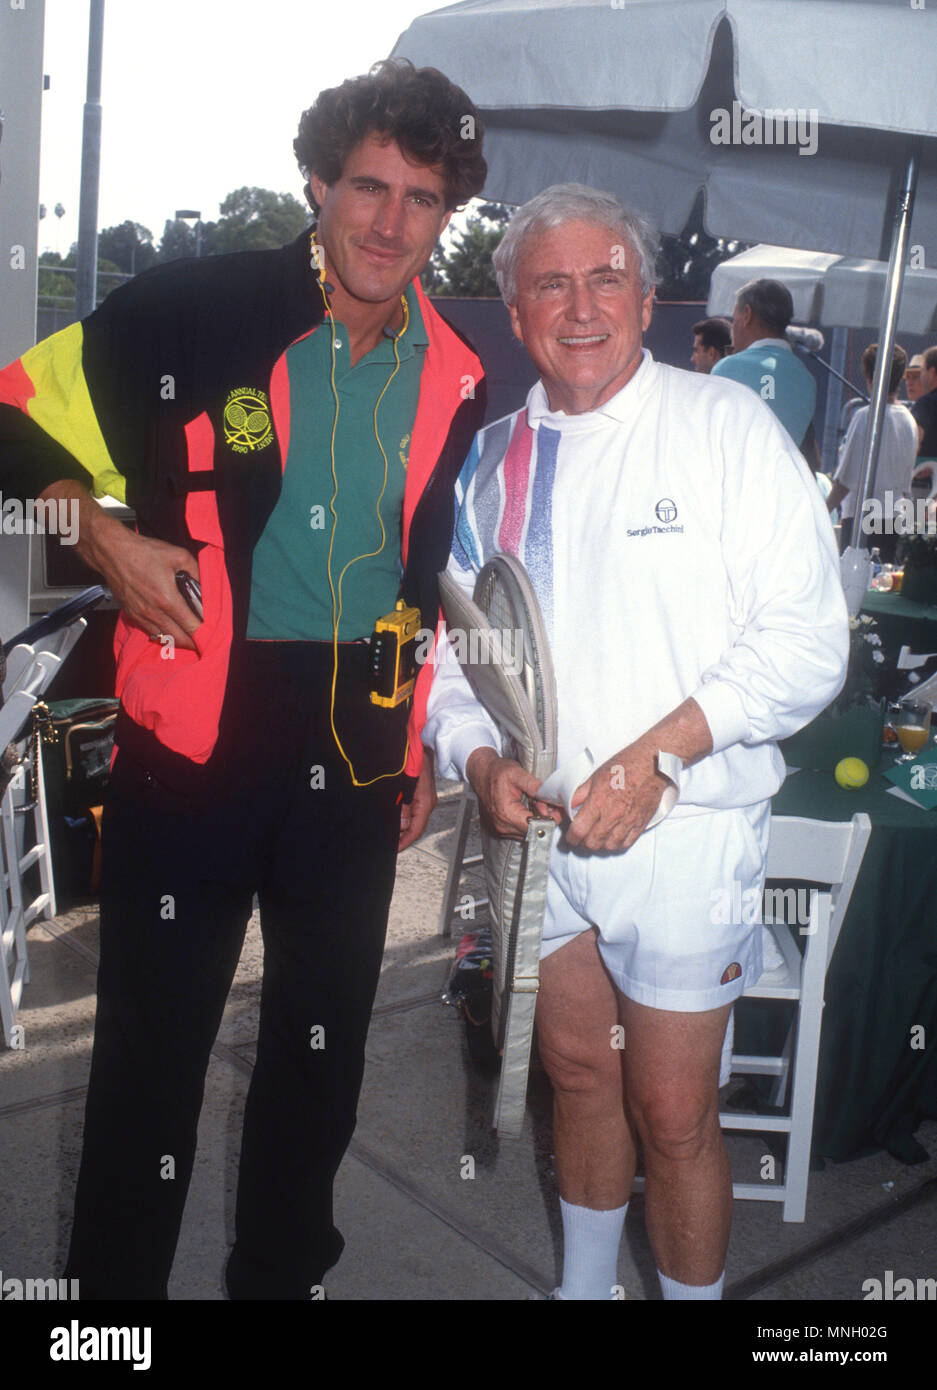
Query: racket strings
[(504, 607)]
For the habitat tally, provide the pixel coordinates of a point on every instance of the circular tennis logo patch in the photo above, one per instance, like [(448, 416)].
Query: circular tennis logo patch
[(731, 972), (247, 424)]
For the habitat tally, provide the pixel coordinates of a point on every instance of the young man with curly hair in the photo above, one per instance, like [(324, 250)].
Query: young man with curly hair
[(287, 426)]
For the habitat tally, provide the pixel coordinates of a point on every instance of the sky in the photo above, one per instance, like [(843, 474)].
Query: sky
[(199, 97)]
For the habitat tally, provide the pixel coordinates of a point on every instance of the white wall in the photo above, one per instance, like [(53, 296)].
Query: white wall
[(21, 34)]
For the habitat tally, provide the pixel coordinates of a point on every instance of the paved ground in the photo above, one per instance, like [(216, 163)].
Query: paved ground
[(416, 1228)]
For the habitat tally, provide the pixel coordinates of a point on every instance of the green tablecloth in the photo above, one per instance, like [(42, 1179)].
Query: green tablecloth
[(889, 605), (901, 622), (873, 1086)]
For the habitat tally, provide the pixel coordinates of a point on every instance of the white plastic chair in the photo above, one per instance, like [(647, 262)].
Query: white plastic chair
[(821, 853), (459, 860), (56, 645), (29, 673)]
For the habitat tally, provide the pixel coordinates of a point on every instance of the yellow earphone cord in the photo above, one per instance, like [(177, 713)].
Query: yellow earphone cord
[(337, 598)]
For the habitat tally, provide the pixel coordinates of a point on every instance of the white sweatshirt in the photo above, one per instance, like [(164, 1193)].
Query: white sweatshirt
[(678, 546)]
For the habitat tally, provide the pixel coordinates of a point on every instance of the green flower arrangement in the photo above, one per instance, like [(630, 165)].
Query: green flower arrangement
[(863, 672)]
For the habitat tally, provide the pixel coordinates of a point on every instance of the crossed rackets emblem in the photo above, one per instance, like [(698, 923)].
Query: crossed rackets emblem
[(247, 424)]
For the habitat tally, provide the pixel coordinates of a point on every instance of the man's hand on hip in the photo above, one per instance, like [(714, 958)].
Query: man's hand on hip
[(140, 572), (501, 785)]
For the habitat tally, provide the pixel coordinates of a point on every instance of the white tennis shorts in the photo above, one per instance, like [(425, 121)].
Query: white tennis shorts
[(678, 914)]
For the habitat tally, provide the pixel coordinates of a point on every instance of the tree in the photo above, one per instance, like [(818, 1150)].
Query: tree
[(53, 287), (129, 246), (258, 219), (499, 213), (57, 290), (250, 219), (687, 261), (685, 264), (464, 269), (179, 239)]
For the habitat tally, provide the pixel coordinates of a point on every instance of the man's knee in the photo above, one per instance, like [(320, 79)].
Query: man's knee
[(676, 1125), (578, 1068)]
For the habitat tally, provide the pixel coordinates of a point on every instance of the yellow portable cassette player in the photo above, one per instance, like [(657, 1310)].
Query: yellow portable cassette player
[(393, 656)]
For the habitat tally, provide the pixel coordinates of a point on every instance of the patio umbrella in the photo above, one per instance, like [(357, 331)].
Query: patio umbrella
[(811, 123)]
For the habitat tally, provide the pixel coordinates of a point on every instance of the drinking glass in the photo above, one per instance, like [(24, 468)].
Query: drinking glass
[(912, 726)]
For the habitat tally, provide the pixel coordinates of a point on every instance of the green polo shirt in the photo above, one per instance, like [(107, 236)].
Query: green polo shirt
[(290, 594)]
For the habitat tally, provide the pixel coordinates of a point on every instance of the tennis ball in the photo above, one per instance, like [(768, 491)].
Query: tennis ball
[(851, 773)]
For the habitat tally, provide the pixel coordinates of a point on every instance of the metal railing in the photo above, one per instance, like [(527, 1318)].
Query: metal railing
[(54, 301)]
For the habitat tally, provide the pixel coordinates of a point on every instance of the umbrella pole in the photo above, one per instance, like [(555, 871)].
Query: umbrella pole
[(904, 207)]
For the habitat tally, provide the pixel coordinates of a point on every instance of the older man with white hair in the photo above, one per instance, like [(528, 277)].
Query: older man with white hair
[(688, 577)]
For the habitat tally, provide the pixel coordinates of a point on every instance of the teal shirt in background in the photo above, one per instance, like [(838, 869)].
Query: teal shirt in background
[(290, 594), (780, 378)]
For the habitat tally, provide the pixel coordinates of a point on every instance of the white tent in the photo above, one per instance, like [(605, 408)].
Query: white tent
[(840, 291)]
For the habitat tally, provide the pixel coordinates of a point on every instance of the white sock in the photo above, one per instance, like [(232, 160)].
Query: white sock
[(671, 1289), (590, 1251)]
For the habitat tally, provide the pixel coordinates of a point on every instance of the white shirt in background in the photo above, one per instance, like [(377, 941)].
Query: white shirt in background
[(896, 459)]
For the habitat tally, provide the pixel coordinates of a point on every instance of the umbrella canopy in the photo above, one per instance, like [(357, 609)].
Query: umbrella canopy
[(623, 98), (811, 123), (834, 290)]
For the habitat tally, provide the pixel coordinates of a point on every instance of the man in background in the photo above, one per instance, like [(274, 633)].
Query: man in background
[(924, 408), (763, 359), (712, 339), (912, 377), (895, 459)]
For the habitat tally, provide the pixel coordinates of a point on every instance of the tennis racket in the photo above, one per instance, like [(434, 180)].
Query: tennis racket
[(505, 656)]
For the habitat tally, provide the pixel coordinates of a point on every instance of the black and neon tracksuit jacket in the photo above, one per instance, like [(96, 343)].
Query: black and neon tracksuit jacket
[(174, 397)]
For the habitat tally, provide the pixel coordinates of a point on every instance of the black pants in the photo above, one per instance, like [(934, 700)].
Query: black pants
[(178, 882)]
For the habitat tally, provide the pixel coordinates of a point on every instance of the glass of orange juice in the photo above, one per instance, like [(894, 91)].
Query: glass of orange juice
[(912, 725)]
